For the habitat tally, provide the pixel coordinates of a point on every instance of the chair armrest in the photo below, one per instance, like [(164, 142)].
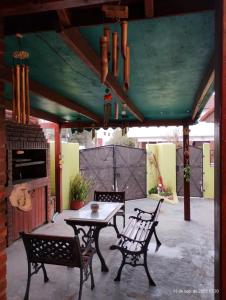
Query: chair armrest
[(143, 211)]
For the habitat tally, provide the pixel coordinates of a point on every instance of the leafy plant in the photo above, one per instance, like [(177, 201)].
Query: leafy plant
[(165, 194), (187, 173), (79, 188), (153, 190)]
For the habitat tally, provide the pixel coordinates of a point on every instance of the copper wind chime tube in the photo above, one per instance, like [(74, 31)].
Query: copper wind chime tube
[(115, 54), (104, 58), (20, 81), (127, 68), (124, 37)]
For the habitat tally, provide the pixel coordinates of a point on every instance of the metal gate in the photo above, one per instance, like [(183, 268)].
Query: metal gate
[(115, 168), (196, 180)]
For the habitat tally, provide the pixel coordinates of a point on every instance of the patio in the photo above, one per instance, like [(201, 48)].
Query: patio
[(182, 269)]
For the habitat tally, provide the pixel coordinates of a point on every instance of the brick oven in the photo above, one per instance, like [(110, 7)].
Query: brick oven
[(27, 162)]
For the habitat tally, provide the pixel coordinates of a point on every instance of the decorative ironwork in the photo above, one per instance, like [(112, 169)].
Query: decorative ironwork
[(56, 250), (134, 248)]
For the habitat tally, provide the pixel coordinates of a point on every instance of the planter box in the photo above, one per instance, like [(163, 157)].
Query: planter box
[(170, 199)]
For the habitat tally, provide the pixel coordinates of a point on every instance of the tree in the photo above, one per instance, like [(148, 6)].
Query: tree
[(84, 138), (118, 139)]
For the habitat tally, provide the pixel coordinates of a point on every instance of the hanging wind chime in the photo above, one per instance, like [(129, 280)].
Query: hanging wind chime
[(20, 82), (124, 116), (107, 106), (118, 13)]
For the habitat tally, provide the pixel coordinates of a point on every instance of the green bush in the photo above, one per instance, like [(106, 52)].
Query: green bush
[(153, 190)]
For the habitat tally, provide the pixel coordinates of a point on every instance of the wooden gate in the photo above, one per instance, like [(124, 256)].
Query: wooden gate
[(115, 168), (196, 180)]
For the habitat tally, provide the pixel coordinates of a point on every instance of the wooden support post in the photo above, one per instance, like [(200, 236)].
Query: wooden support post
[(3, 229), (220, 152), (58, 173), (186, 180)]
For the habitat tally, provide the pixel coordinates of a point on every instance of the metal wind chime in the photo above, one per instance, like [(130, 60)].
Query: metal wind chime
[(20, 82), (116, 12)]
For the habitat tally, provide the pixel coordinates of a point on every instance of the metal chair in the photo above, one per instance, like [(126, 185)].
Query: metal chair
[(112, 197), (57, 250), (151, 216)]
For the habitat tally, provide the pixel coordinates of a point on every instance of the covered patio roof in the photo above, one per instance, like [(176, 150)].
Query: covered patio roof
[(171, 62)]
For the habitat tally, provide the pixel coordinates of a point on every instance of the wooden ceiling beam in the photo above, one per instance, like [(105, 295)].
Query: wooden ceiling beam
[(79, 45), (129, 124), (204, 87), (92, 15), (149, 8), (11, 8), (39, 89), (34, 112)]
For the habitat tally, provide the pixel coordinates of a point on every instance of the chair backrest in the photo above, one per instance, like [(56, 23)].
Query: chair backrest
[(50, 249), (157, 210), (109, 196)]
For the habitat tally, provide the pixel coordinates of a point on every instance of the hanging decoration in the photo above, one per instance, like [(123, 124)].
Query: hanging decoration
[(116, 110), (104, 58), (107, 106), (93, 133), (124, 117), (115, 54), (107, 34), (127, 68), (119, 13), (124, 37), (20, 82)]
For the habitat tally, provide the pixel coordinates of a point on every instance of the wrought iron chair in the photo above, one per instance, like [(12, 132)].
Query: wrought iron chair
[(133, 245), (57, 250), (151, 216), (112, 197)]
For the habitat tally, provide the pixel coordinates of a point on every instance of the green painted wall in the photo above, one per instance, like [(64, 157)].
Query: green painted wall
[(166, 156), (70, 166), (208, 173)]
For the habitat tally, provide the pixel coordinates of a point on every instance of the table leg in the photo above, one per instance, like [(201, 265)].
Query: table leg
[(104, 267)]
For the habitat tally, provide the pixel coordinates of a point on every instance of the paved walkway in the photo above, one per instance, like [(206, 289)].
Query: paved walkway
[(182, 269)]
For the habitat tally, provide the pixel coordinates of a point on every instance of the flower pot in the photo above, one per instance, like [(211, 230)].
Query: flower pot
[(76, 205)]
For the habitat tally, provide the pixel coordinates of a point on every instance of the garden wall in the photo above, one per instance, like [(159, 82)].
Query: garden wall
[(165, 154), (208, 173), (70, 166)]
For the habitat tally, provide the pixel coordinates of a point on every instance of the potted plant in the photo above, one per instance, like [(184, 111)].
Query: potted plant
[(79, 189)]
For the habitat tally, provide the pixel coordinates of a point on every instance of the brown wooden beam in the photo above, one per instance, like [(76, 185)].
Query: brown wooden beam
[(149, 8), (92, 15), (187, 216), (145, 123), (203, 89), (51, 95), (220, 153), (58, 171), (10, 8), (78, 44), (34, 112), (3, 181)]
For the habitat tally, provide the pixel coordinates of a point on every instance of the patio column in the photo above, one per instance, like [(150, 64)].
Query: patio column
[(220, 152), (58, 171), (186, 173), (3, 230)]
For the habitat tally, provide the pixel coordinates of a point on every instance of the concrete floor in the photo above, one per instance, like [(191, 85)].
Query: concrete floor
[(182, 269)]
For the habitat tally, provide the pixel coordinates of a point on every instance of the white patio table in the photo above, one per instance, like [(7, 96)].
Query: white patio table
[(95, 222)]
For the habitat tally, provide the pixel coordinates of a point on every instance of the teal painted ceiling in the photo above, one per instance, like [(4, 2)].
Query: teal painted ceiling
[(169, 57)]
